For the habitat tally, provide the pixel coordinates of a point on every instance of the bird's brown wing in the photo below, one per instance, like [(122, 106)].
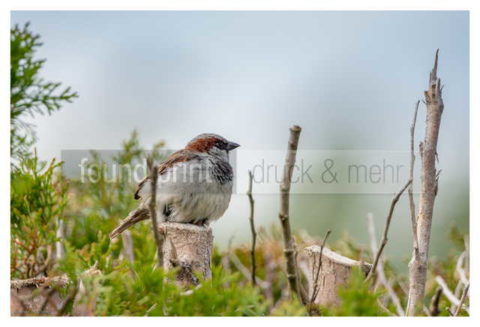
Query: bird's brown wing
[(174, 158), (143, 213)]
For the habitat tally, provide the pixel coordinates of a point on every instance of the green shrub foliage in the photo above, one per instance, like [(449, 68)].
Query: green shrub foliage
[(29, 93)]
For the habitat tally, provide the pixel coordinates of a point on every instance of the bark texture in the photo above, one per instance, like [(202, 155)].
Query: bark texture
[(284, 215), (335, 270), (189, 248), (429, 187)]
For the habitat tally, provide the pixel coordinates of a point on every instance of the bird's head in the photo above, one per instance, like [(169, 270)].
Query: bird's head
[(212, 144)]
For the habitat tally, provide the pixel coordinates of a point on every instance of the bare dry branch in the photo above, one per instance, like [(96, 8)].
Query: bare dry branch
[(434, 306), (68, 300), (252, 226), (289, 245), (385, 309), (46, 300), (410, 189), (458, 289), (56, 281), (459, 268), (380, 271), (448, 293), (244, 270), (316, 287), (385, 232), (153, 212), (462, 300), (429, 186)]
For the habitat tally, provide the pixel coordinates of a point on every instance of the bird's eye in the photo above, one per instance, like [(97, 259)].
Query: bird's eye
[(222, 145)]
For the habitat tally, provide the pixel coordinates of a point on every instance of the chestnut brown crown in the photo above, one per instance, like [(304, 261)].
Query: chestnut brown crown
[(208, 143)]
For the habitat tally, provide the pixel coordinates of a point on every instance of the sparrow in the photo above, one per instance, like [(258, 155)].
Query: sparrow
[(194, 185)]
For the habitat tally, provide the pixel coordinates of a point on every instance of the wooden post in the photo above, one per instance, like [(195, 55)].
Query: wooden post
[(334, 272), (188, 247)]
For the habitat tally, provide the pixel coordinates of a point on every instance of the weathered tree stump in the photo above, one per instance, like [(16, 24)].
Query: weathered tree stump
[(188, 248), (37, 296), (335, 271)]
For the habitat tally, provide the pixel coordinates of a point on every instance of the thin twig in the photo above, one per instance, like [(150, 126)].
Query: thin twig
[(458, 289), (462, 300), (46, 300), (448, 293), (316, 287), (384, 308), (303, 291), (435, 306), (410, 189), (425, 310), (244, 270), (380, 271), (252, 225), (460, 270), (385, 232), (69, 299), (289, 247), (153, 213), (467, 252)]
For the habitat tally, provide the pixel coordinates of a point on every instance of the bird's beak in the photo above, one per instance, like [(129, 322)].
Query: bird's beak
[(232, 145)]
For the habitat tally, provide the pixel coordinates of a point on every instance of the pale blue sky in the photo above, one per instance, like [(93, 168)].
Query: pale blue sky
[(350, 79)]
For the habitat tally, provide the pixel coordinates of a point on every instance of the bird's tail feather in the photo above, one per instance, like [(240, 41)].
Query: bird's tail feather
[(133, 217)]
